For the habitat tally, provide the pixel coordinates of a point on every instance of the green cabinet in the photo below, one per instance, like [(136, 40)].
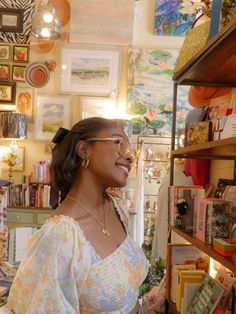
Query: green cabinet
[(27, 216)]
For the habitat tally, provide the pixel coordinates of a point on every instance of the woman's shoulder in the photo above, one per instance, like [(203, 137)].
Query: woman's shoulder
[(120, 206), (57, 229)]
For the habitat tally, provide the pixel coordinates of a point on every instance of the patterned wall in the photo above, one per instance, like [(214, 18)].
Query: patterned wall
[(20, 38)]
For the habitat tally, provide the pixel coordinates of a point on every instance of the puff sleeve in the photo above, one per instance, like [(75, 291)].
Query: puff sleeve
[(53, 271)]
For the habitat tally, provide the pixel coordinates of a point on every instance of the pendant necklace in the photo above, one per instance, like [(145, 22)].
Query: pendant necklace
[(104, 230)]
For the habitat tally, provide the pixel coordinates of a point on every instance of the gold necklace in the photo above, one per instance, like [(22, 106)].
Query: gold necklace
[(104, 230)]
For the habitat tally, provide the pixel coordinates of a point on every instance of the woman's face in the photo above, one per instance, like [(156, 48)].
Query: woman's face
[(109, 161)]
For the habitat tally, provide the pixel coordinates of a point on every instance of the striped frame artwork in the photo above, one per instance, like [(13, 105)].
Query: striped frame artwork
[(28, 9)]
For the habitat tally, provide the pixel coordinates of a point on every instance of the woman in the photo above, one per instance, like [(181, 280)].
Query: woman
[(82, 260)]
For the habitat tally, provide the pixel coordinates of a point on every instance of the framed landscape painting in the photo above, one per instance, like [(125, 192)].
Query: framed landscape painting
[(52, 112), (89, 71)]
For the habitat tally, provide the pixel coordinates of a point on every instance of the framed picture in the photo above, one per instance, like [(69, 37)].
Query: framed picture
[(5, 150), (89, 71), (97, 107), (5, 72), (52, 112), (5, 52), (7, 92), (24, 101), (11, 20), (18, 73), (21, 53)]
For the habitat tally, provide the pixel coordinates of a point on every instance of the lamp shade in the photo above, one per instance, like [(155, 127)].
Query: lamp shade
[(46, 24), (13, 125)]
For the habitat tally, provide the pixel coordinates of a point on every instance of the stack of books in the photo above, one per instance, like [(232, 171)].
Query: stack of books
[(7, 274), (225, 247)]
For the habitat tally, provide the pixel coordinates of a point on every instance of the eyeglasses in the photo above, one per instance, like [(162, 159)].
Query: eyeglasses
[(123, 146)]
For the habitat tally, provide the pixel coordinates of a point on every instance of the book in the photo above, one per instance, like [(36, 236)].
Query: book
[(198, 133), (223, 252), (7, 274), (184, 254), (218, 107), (225, 244), (174, 278), (189, 290), (213, 219), (221, 186), (182, 203), (217, 113), (184, 276), (200, 221), (206, 298), (229, 194), (218, 220), (18, 238), (227, 282)]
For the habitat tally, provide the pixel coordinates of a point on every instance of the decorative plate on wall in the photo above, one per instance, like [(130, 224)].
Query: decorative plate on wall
[(37, 74)]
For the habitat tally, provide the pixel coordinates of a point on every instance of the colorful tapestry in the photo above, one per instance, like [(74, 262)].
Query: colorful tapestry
[(150, 91), (169, 20)]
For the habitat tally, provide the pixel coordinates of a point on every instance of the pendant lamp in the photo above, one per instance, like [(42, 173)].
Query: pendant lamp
[(46, 23)]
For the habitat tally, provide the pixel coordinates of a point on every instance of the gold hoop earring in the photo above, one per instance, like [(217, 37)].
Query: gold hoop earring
[(85, 162)]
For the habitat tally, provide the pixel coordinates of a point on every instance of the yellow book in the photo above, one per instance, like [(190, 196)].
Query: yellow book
[(174, 278), (184, 276)]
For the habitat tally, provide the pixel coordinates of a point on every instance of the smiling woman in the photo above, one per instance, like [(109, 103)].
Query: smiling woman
[(91, 259)]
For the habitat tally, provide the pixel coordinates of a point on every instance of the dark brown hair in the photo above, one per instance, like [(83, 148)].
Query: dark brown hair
[(65, 159)]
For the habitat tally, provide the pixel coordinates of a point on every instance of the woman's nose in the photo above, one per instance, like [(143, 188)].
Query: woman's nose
[(129, 156)]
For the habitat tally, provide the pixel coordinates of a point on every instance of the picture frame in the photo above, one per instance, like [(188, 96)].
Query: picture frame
[(18, 72), (19, 167), (97, 107), (5, 72), (21, 53), (11, 20), (24, 101), (86, 71), (52, 112), (7, 92), (5, 52)]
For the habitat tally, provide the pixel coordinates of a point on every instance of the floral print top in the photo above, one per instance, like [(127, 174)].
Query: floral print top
[(61, 272)]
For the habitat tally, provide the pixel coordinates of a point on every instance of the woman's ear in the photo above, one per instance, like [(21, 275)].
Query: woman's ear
[(81, 149)]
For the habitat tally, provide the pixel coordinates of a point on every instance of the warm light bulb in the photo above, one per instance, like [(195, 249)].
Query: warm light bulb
[(45, 32), (47, 17)]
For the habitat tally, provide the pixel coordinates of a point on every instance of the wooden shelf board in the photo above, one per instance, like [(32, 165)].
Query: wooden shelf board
[(213, 65), (206, 248), (207, 148)]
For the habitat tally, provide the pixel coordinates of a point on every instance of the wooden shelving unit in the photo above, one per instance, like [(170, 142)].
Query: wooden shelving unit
[(206, 248), (208, 150), (214, 65)]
